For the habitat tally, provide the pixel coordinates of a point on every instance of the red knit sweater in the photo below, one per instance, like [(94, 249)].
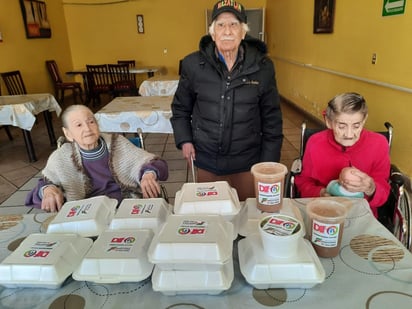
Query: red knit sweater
[(324, 158)]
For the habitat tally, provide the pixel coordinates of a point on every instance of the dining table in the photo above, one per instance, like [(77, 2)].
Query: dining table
[(159, 85), (21, 111), (149, 114), (373, 270)]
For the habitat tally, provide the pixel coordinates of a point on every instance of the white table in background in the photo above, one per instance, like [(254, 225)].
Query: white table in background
[(21, 110), (128, 114), (159, 85)]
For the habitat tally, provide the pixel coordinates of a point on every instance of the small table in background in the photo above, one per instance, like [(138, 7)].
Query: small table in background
[(128, 114), (21, 110), (159, 85)]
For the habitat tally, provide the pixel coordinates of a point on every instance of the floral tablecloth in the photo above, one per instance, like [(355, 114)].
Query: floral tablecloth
[(372, 270)]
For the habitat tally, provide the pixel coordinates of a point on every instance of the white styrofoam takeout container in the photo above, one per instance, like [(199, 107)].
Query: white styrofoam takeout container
[(212, 282), (87, 217), (303, 270), (250, 215), (148, 213), (43, 260), (117, 256), (207, 198), (192, 242)]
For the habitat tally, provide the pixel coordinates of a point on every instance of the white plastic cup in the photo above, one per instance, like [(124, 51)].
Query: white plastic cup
[(327, 220), (269, 185), (280, 235)]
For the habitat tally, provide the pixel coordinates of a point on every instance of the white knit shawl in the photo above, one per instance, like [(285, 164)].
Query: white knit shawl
[(64, 167)]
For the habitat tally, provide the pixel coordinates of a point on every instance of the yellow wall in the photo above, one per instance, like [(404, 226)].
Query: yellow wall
[(359, 31), (106, 33), (100, 34), (29, 55)]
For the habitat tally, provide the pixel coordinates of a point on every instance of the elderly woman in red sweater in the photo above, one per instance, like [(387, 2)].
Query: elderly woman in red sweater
[(347, 155)]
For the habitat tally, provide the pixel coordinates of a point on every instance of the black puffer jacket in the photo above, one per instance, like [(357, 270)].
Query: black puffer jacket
[(232, 118)]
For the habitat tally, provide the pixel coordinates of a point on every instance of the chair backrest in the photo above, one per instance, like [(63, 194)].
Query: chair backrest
[(99, 74), (130, 63), (119, 73), (180, 67), (53, 71), (14, 82)]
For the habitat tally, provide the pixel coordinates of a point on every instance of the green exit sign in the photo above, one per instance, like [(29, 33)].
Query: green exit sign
[(393, 7)]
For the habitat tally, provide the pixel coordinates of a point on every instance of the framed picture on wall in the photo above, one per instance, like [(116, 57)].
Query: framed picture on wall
[(35, 19), (324, 16)]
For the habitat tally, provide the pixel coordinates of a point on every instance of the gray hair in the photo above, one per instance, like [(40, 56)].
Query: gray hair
[(245, 27), (69, 110), (347, 103)]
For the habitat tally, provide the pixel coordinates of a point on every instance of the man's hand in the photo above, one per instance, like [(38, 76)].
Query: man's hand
[(189, 153), (52, 199), (150, 186)]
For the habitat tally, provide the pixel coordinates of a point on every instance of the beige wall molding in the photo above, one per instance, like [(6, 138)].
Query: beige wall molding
[(343, 74)]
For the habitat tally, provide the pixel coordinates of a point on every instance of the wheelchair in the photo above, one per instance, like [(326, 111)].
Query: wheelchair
[(395, 214), (136, 140)]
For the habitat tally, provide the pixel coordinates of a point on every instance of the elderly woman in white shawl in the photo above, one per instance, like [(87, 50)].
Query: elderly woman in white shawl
[(95, 164)]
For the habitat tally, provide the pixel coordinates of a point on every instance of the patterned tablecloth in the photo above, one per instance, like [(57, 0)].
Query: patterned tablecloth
[(21, 110), (127, 114), (372, 270), (159, 85)]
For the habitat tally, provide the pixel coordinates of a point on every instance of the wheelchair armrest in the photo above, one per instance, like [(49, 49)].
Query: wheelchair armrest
[(396, 176), (296, 167)]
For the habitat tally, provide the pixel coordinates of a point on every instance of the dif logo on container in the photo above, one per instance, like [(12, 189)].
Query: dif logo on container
[(326, 229), (191, 231), (126, 240), (36, 253), (269, 188)]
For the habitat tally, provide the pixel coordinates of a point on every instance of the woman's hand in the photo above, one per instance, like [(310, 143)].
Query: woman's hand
[(323, 193), (52, 199), (355, 180), (150, 186)]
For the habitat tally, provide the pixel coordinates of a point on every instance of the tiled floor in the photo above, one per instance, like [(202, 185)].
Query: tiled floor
[(18, 176)]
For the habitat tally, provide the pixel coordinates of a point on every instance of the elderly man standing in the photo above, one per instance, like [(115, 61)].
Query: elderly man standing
[(226, 112)]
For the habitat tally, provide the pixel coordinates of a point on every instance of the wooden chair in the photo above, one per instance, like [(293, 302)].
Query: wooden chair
[(99, 81), (14, 82), (60, 86), (130, 63), (6, 128), (122, 81), (15, 86)]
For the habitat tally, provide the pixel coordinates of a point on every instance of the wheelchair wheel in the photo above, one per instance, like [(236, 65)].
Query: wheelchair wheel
[(402, 219)]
